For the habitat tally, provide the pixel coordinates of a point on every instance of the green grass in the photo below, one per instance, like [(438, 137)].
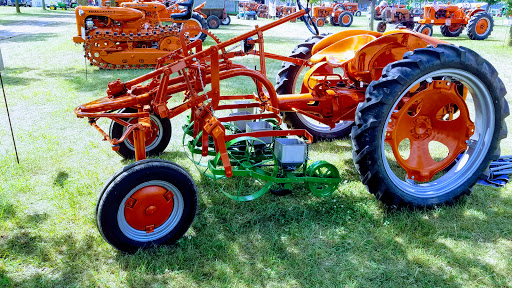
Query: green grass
[(48, 237)]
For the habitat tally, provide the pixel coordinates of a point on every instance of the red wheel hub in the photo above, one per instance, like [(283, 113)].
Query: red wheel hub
[(148, 208), (421, 121), (150, 135)]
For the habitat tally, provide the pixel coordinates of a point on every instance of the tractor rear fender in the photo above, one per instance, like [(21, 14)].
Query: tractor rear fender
[(473, 12), (329, 40), (368, 62)]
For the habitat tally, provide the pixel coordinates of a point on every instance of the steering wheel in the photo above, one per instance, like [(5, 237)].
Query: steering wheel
[(308, 19)]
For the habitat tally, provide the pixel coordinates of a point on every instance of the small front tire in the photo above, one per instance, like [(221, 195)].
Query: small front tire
[(150, 202)]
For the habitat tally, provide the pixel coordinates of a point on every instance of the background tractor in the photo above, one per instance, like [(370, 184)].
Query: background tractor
[(343, 14), (401, 17), (134, 35), (452, 19), (425, 119)]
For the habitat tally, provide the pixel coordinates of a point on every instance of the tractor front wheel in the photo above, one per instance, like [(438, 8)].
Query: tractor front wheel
[(429, 127), (320, 22), (149, 202), (381, 26), (358, 13), (157, 138), (480, 26), (426, 29), (289, 81)]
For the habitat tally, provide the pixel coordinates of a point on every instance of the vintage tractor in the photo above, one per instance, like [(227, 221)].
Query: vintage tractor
[(134, 35), (384, 5), (426, 118), (400, 17), (343, 14), (321, 15), (453, 19)]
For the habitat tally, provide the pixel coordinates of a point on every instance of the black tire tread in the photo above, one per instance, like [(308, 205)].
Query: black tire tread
[(471, 27)]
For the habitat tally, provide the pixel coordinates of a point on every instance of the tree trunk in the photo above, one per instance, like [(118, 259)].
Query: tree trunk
[(17, 4), (372, 14), (44, 6), (488, 6), (509, 36)]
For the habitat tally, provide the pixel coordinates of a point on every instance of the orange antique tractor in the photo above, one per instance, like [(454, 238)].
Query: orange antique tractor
[(321, 15), (395, 15), (453, 19), (426, 118), (343, 14), (133, 36)]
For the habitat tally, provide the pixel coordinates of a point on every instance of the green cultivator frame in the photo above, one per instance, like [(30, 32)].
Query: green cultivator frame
[(255, 159)]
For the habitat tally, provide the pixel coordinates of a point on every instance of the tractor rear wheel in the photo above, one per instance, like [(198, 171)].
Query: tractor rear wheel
[(334, 21), (199, 22), (150, 202), (157, 138), (451, 31), (480, 26), (429, 127), (289, 81), (426, 29), (381, 26), (213, 22), (346, 18)]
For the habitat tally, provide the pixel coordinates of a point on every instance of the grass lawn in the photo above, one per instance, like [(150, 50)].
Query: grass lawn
[(48, 236)]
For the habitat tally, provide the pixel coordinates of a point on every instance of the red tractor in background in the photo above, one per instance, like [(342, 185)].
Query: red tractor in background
[(452, 19)]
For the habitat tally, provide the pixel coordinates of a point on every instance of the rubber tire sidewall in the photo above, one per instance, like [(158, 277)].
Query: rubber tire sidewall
[(203, 24), (216, 22), (116, 131), (473, 21), (340, 22), (226, 21), (114, 193)]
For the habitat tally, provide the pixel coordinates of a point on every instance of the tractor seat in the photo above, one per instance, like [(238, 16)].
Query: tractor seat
[(184, 15), (342, 50)]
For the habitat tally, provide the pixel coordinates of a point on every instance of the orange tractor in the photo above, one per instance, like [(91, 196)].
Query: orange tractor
[(133, 36), (426, 118), (453, 19), (343, 14), (321, 14), (401, 17)]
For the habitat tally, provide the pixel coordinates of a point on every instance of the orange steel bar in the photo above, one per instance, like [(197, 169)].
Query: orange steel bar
[(139, 144)]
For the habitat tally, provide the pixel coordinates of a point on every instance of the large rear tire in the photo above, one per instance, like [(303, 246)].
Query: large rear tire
[(480, 26), (150, 202), (213, 22), (346, 18), (390, 110), (198, 21), (289, 82), (451, 31), (156, 140)]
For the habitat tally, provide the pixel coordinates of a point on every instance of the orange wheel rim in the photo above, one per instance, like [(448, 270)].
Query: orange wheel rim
[(481, 26), (150, 135), (426, 31), (346, 19), (148, 208), (192, 23), (320, 23), (428, 116), (453, 28)]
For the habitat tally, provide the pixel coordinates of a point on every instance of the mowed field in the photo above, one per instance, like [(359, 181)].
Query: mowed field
[(48, 236)]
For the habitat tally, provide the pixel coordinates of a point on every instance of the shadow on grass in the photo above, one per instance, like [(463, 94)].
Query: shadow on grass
[(12, 77), (33, 37), (61, 179)]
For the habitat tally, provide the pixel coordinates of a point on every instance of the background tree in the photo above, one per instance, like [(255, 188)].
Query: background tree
[(17, 4), (44, 6), (491, 2), (372, 13), (509, 18)]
